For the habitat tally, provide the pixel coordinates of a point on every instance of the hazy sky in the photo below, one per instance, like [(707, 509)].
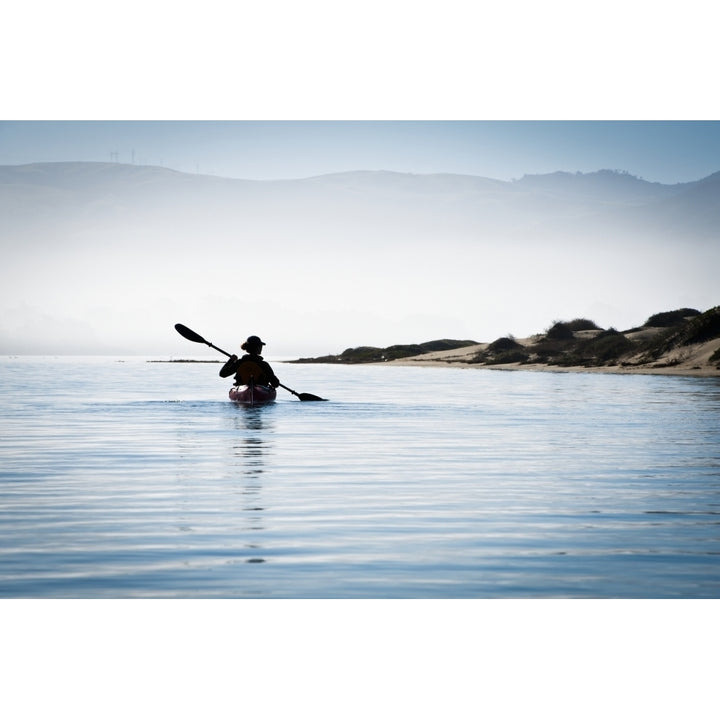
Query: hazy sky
[(418, 87), (52, 300), (666, 152)]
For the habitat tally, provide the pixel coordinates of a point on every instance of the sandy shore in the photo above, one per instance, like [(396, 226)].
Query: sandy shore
[(692, 361)]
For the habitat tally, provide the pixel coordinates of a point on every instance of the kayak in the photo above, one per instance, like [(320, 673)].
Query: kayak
[(252, 394)]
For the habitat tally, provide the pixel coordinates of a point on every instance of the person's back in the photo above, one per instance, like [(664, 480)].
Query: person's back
[(250, 368)]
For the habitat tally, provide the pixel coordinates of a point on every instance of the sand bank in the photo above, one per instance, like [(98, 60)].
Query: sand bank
[(691, 361)]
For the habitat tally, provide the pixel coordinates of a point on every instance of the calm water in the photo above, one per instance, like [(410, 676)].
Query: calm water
[(139, 479)]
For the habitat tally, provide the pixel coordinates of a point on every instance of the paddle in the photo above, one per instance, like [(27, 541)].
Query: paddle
[(302, 396), (191, 335)]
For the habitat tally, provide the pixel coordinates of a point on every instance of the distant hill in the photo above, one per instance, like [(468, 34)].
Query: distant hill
[(100, 257), (583, 203)]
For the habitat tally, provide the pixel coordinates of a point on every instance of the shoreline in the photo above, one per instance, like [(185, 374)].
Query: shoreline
[(693, 361), (676, 371), (678, 343)]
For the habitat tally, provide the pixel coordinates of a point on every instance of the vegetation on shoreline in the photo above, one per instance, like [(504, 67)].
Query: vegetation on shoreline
[(662, 341), (581, 343), (367, 354)]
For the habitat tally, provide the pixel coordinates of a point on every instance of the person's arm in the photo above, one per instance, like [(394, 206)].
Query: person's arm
[(230, 366), (273, 379)]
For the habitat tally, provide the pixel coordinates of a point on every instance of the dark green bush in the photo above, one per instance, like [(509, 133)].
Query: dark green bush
[(503, 343), (702, 328), (503, 350), (582, 324), (560, 331), (670, 318), (607, 346)]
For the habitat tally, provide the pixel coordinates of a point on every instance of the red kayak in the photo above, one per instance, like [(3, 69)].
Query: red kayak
[(252, 394)]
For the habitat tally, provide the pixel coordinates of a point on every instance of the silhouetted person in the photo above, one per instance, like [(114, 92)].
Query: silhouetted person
[(250, 368)]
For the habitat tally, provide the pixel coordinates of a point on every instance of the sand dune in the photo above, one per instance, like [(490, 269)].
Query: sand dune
[(691, 360)]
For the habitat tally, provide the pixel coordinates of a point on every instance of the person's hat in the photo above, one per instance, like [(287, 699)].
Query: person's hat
[(254, 340)]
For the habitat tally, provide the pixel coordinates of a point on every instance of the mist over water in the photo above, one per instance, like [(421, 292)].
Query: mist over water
[(105, 258), (130, 478)]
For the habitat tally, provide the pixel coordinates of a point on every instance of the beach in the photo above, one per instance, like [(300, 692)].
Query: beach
[(691, 360)]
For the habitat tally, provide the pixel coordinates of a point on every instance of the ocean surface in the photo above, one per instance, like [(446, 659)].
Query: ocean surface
[(126, 478)]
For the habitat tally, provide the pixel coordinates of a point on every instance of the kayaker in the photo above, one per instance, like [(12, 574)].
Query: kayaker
[(250, 367)]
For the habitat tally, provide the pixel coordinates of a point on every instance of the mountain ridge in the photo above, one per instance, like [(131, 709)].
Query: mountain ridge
[(23, 169), (123, 247), (583, 204)]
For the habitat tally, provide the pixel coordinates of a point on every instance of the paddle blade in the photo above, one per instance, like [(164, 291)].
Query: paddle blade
[(301, 396), (189, 334), (308, 396)]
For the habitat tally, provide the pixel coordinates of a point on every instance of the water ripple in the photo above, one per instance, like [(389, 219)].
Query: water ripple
[(141, 480)]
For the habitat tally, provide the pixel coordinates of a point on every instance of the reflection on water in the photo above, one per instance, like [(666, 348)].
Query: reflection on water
[(251, 449), (141, 480)]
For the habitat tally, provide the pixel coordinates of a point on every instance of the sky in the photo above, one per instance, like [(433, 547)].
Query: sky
[(390, 284), (293, 91), (658, 151)]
